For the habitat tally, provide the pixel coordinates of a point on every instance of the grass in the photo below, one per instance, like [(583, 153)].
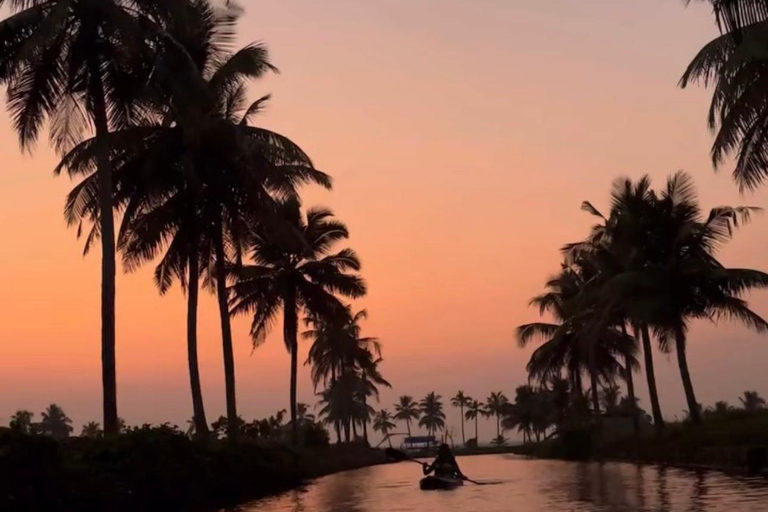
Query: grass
[(720, 441), (156, 469)]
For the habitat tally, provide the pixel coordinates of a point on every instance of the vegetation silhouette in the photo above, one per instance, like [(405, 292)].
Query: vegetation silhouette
[(382, 422), (461, 400), (432, 415), (407, 410)]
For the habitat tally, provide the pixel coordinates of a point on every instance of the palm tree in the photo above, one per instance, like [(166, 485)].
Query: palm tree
[(461, 400), (55, 423), (610, 396), (382, 422), (474, 411), (91, 430), (303, 415), (295, 277), (407, 410), (733, 64), (432, 415), (21, 422), (494, 406), (681, 279), (191, 181), (752, 401), (82, 64)]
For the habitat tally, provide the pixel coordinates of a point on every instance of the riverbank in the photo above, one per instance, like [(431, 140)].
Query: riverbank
[(735, 443), (157, 469)]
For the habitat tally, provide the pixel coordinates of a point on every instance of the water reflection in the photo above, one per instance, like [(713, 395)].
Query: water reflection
[(529, 486)]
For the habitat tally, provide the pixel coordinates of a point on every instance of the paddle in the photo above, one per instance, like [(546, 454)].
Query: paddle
[(401, 456)]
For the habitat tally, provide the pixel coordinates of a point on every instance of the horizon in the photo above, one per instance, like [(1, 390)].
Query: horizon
[(459, 165)]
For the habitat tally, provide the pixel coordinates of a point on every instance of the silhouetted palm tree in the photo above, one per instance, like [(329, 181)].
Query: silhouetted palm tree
[(610, 396), (474, 411), (382, 422), (734, 65), (461, 400), (55, 423), (295, 277), (680, 278), (407, 410), (432, 415), (81, 64), (752, 401), (494, 406), (91, 430), (21, 422)]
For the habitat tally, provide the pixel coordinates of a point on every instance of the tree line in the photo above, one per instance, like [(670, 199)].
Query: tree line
[(146, 102)]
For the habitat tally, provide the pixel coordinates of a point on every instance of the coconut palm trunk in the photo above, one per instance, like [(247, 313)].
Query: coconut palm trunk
[(593, 378), (461, 411), (108, 264), (408, 426), (198, 411), (685, 375), (658, 421), (498, 425), (629, 379), (477, 440), (290, 330), (226, 331)]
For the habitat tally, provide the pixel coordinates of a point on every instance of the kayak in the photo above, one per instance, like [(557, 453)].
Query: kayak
[(438, 483)]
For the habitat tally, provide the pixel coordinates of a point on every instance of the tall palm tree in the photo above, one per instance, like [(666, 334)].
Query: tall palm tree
[(461, 400), (680, 279), (407, 410), (55, 423), (474, 411), (432, 415), (295, 277), (21, 422), (80, 63), (382, 422), (752, 401), (494, 406), (91, 430), (192, 180)]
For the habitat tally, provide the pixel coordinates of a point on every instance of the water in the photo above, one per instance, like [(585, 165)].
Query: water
[(523, 485)]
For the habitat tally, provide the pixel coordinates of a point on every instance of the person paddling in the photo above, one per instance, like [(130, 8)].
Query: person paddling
[(445, 464)]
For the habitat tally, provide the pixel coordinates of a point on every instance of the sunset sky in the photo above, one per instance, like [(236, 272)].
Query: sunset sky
[(462, 136)]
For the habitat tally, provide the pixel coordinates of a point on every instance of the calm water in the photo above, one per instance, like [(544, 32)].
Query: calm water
[(528, 486)]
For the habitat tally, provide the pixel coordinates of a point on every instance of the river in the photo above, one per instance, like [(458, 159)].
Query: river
[(522, 485)]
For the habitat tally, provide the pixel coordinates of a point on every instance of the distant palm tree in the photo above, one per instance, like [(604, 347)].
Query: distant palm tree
[(296, 275), (303, 415), (382, 422), (432, 415), (474, 411), (752, 401), (82, 64), (55, 423), (610, 396), (407, 410), (722, 408), (22, 422), (91, 430), (461, 400), (494, 406)]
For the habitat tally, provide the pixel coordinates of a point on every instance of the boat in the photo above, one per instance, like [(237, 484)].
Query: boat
[(439, 483)]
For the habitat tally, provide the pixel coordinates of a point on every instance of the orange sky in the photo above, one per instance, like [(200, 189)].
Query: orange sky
[(463, 137)]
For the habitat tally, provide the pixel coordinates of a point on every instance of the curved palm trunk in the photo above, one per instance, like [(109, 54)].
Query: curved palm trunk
[(108, 265), (461, 411), (198, 411), (658, 420), (290, 329), (226, 332), (408, 426), (628, 378), (682, 363)]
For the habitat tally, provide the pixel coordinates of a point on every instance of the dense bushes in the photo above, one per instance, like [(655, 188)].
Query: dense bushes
[(150, 469)]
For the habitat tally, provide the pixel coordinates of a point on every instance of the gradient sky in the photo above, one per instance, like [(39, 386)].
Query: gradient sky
[(463, 136)]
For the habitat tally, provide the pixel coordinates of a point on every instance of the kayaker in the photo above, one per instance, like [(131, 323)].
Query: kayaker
[(445, 464)]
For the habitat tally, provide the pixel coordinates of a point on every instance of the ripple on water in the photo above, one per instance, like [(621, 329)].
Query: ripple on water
[(522, 485)]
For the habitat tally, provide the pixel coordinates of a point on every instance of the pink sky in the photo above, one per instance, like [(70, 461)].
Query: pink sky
[(463, 137)]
